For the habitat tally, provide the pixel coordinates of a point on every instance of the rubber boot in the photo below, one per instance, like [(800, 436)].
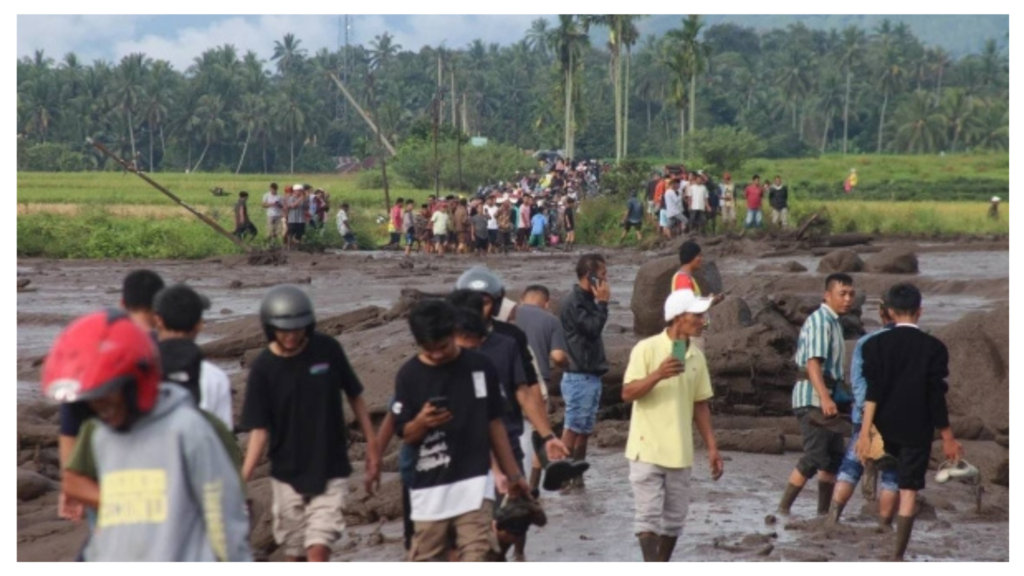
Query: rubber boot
[(648, 546), (825, 490), (834, 512), (869, 482), (666, 545), (904, 526), (884, 524), (788, 497)]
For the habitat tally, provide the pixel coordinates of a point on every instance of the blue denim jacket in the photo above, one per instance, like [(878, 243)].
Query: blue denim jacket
[(859, 383)]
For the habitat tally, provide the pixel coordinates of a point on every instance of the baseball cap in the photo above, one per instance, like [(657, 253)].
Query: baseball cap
[(298, 187), (996, 199), (683, 302)]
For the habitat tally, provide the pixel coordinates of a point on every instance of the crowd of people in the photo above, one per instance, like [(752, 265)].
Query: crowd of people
[(149, 457)]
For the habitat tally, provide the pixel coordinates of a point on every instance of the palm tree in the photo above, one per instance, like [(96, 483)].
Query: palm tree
[(852, 45), (921, 127), (696, 55), (938, 60), (537, 36), (990, 129), (159, 87), (830, 98), (671, 58), (382, 51), (129, 89), (630, 35), (958, 107), (211, 114), (288, 54), (248, 115), (617, 25), (568, 41), (794, 81), (991, 63), (291, 112)]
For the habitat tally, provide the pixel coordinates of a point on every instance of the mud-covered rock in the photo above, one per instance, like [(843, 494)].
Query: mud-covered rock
[(32, 485), (652, 286), (840, 261), (612, 433), (893, 260), (730, 314), (791, 267), (756, 441)]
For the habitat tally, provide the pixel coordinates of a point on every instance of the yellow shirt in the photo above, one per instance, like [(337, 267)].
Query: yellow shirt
[(661, 428)]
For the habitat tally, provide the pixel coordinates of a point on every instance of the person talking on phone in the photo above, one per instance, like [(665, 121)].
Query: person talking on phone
[(668, 383), (583, 314)]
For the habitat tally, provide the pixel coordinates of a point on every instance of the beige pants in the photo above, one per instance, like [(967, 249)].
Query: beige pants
[(781, 216), (299, 524), (729, 213), (661, 496), (474, 538)]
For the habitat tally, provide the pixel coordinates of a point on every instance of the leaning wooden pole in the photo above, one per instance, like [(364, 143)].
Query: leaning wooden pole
[(206, 219), (362, 113)]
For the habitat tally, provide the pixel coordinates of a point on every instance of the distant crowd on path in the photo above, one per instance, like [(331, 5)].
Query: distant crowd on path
[(691, 202)]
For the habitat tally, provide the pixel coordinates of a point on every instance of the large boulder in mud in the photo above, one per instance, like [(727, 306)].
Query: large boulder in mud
[(730, 314), (893, 260), (652, 286), (32, 485), (752, 366), (791, 267), (979, 364), (611, 381), (840, 261)]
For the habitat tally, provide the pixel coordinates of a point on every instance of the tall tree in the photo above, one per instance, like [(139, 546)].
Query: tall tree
[(288, 54), (567, 41), (852, 46), (130, 89)]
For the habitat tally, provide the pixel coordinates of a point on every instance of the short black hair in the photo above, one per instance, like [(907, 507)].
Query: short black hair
[(462, 202), (139, 288), (431, 321), (400, 200), (688, 251), (410, 202), (838, 277), (589, 264), (470, 322), (344, 206), (180, 307), (538, 288), (243, 194), (756, 177), (273, 185), (466, 298), (902, 298)]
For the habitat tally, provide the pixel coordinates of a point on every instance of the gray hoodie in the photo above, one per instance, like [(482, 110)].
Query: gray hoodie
[(168, 491)]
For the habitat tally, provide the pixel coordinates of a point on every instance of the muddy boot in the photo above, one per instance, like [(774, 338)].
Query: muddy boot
[(869, 481), (535, 479), (904, 526), (648, 546), (788, 497), (834, 512), (884, 525), (825, 490), (666, 545)]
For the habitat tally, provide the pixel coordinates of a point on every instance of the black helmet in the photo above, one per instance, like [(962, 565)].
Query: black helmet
[(286, 307), (480, 279)]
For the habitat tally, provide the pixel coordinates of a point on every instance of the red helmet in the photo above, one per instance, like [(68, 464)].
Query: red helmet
[(98, 354)]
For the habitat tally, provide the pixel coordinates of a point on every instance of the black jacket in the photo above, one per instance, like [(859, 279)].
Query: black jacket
[(583, 320), (778, 198)]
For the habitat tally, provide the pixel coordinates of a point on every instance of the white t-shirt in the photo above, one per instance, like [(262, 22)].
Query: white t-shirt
[(342, 220), (215, 392), (440, 222), (492, 220), (698, 197), (673, 203), (276, 209)]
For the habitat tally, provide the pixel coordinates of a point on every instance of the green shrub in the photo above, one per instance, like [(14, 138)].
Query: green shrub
[(629, 176), (724, 148), (480, 164)]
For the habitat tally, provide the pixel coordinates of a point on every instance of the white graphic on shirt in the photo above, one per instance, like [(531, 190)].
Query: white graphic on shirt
[(480, 384), (433, 452)]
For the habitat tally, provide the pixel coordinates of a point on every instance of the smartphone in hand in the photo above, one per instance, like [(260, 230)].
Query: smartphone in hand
[(679, 350), (439, 402)]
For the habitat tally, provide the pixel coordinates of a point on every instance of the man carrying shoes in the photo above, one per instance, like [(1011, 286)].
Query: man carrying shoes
[(668, 383)]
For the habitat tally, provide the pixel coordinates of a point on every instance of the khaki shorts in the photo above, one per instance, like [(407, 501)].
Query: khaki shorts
[(661, 496), (474, 537), (300, 523)]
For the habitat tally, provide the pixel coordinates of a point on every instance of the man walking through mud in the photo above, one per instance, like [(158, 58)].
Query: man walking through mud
[(906, 371), (668, 383), (584, 312), (820, 355)]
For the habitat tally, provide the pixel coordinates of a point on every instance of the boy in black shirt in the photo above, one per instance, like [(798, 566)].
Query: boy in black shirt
[(448, 406), (906, 372), (569, 223), (293, 402)]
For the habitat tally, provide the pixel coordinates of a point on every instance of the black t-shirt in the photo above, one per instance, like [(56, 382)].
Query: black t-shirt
[(181, 360), (523, 342), (570, 218), (652, 186), (298, 400), (504, 354), (458, 453)]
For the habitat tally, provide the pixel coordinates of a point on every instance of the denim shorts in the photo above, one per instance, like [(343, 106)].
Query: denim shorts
[(851, 469), (582, 395)]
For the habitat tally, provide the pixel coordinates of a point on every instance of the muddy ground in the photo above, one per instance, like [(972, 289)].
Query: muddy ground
[(360, 297)]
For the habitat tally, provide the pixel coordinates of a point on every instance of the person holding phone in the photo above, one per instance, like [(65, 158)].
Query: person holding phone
[(668, 383)]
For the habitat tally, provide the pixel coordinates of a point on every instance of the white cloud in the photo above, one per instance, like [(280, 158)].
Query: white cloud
[(89, 37)]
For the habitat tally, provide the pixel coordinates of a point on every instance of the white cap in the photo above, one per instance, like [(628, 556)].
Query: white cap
[(298, 187), (685, 301), (996, 198)]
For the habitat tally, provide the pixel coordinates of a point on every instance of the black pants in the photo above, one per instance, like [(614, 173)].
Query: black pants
[(246, 229)]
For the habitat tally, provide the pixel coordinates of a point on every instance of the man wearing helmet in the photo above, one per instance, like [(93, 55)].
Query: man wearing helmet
[(293, 402), (165, 487)]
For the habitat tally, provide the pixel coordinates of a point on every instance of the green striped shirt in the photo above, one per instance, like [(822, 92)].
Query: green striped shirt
[(820, 337)]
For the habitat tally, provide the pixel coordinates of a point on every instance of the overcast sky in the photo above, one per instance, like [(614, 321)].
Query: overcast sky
[(179, 39)]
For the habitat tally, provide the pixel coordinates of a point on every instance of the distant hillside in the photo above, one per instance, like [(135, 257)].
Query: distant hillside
[(958, 34)]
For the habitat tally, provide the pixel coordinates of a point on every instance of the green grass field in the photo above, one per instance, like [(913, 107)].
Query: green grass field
[(110, 215)]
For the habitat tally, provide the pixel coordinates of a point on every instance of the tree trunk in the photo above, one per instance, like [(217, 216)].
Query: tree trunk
[(380, 144), (201, 156), (131, 134), (648, 116), (149, 168), (163, 146), (682, 134), (824, 137), (846, 112), (245, 147), (938, 87), (617, 91), (291, 154), (455, 117), (568, 103), (693, 102), (625, 112), (188, 163), (264, 140), (956, 137), (881, 122)]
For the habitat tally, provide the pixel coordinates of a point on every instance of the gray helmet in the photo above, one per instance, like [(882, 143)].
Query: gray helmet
[(286, 307), (480, 279)]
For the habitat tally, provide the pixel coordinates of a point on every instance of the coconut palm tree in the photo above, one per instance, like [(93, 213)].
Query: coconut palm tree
[(567, 41), (247, 116), (990, 128), (288, 54), (920, 126), (129, 89), (671, 58), (537, 36), (211, 113), (959, 108), (829, 98), (618, 25), (852, 48)]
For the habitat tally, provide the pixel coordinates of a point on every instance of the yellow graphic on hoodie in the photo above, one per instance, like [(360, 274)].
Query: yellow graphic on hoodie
[(133, 497)]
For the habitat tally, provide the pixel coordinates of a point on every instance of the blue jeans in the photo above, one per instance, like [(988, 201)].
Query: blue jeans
[(754, 218), (851, 469), (582, 395)]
